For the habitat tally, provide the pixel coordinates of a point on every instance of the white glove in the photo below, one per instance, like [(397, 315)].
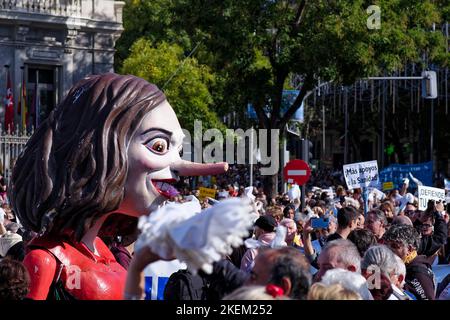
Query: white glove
[(406, 181), (196, 239)]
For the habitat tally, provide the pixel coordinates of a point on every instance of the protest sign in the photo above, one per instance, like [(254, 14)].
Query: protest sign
[(207, 193), (388, 186), (397, 172), (361, 174), (429, 193)]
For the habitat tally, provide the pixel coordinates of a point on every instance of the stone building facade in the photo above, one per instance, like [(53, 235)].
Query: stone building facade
[(53, 44)]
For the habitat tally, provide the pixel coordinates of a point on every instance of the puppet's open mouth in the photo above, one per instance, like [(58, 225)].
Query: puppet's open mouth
[(165, 187)]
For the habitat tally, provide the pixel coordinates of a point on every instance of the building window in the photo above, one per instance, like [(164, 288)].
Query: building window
[(42, 92)]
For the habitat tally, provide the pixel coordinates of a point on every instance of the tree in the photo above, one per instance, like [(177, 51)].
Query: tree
[(184, 81), (256, 46), (319, 40)]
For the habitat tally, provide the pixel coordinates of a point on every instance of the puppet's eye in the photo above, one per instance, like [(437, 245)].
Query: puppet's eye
[(158, 145)]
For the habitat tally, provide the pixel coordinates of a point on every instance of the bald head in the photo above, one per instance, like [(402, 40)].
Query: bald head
[(402, 220)]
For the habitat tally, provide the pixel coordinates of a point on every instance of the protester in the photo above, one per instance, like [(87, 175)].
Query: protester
[(284, 267), (376, 222), (289, 211), (11, 243), (14, 280), (402, 220), (265, 234), (380, 261), (349, 280), (361, 221), (411, 210), (276, 212), (291, 230), (404, 241), (363, 239), (338, 254), (290, 271), (433, 229), (224, 279), (347, 218), (388, 209), (336, 291)]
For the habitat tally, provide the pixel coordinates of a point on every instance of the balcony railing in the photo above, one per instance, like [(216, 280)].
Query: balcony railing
[(11, 145), (67, 8)]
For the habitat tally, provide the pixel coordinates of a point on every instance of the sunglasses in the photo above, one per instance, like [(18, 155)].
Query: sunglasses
[(410, 212)]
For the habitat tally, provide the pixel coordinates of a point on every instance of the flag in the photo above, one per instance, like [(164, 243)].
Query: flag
[(22, 106), (36, 105), (9, 104)]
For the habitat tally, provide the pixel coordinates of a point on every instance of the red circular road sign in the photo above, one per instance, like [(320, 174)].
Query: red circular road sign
[(296, 171)]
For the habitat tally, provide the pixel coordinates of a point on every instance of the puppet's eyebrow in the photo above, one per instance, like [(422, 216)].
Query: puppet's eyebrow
[(169, 133)]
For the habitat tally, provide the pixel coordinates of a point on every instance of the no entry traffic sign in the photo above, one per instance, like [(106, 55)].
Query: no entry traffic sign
[(297, 171)]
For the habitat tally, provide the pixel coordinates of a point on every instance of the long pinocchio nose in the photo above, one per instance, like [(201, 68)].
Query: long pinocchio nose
[(188, 168)]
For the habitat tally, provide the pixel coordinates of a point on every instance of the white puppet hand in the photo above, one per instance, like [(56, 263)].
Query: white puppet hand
[(198, 239)]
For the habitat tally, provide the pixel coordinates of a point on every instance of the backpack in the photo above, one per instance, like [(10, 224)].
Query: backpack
[(425, 270), (183, 285)]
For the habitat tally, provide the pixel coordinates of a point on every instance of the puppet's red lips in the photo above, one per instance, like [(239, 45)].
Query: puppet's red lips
[(165, 187)]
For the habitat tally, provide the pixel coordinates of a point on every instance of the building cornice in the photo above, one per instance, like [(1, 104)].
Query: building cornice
[(25, 44), (54, 22)]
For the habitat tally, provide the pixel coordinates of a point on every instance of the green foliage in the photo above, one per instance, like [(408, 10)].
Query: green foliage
[(253, 47), (185, 82)]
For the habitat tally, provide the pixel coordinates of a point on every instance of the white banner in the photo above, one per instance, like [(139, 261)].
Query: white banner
[(361, 174), (429, 193)]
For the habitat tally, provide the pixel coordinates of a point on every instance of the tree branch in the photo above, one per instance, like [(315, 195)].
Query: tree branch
[(300, 14), (280, 77), (259, 109), (307, 86)]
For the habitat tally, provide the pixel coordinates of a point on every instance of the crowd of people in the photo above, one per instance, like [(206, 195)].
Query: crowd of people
[(330, 250), (103, 164)]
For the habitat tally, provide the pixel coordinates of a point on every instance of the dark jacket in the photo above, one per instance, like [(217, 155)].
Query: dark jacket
[(17, 251), (225, 278), (420, 280), (430, 244)]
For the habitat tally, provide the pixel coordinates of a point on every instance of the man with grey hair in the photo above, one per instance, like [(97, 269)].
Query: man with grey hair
[(402, 220), (380, 259), (376, 222), (338, 254), (404, 241)]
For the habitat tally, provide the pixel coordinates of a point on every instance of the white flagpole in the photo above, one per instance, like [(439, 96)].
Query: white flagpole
[(251, 157)]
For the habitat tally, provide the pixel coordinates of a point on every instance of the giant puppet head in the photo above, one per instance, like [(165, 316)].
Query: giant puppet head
[(112, 145)]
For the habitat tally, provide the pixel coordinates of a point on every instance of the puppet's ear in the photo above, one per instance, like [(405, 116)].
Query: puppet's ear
[(188, 168)]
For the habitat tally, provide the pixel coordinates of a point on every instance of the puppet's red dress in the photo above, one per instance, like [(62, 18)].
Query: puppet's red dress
[(73, 267)]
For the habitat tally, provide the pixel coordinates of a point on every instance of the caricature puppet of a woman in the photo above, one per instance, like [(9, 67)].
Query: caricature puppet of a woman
[(111, 148)]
